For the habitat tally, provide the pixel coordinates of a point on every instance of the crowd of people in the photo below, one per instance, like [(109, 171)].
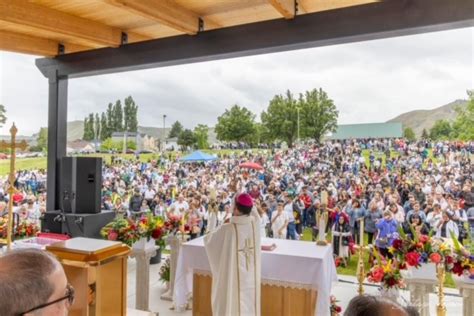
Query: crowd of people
[(389, 183)]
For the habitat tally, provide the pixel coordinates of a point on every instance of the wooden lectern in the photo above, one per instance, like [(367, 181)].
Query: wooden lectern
[(97, 269)]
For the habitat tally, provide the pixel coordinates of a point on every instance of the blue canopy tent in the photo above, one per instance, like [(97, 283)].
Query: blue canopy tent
[(197, 156)]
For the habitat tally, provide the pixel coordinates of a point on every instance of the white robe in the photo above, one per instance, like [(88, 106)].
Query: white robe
[(235, 275)]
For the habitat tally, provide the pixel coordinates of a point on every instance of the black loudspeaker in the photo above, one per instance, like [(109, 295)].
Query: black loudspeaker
[(79, 187), (76, 225)]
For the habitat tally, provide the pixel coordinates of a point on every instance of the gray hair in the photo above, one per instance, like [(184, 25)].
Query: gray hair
[(24, 280), (367, 305)]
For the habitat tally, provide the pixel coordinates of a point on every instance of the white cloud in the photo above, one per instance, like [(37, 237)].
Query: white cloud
[(369, 82)]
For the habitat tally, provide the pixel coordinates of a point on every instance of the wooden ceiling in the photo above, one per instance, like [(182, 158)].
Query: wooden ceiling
[(50, 27)]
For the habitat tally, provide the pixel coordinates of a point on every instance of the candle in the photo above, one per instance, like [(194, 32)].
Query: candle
[(361, 238)]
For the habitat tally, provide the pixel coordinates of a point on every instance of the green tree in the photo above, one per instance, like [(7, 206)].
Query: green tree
[(281, 118), (236, 124), (43, 138), (110, 118), (110, 145), (131, 144), (176, 129), (118, 117), (97, 127), (463, 126), (441, 130), (3, 116), (186, 139), (130, 115), (424, 134), (86, 124), (262, 135), (409, 134), (107, 145), (89, 127), (318, 114), (201, 134), (104, 129)]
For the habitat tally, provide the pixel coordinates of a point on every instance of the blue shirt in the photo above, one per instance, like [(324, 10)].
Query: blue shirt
[(386, 231)]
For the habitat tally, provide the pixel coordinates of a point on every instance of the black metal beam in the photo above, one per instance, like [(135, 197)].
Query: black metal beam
[(57, 133), (389, 18)]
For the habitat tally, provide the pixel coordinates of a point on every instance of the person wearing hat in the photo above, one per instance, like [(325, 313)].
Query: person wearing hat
[(233, 250)]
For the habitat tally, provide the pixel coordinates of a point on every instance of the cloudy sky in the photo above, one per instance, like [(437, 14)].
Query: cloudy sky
[(369, 82)]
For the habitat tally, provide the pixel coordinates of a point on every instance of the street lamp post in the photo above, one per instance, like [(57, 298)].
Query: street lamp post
[(164, 134)]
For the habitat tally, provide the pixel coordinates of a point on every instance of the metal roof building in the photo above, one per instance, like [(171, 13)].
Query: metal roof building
[(369, 130)]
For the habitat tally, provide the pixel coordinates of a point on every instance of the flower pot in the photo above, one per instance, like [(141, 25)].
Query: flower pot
[(157, 258), (144, 244), (427, 271)]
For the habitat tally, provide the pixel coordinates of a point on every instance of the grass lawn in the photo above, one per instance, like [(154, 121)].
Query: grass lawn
[(41, 162), (351, 267), (22, 164)]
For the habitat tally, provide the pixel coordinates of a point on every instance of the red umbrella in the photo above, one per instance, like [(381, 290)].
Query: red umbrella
[(251, 165)]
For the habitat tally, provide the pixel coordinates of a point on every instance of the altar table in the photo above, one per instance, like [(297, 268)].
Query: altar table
[(296, 271)]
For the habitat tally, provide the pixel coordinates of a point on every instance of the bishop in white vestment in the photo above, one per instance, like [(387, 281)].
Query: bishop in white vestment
[(233, 251)]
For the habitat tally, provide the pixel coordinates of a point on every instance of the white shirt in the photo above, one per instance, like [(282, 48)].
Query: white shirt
[(149, 194), (179, 207), (279, 221), (289, 210), (264, 220)]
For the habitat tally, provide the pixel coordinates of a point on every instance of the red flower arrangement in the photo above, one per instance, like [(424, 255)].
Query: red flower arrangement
[(462, 260), (24, 229), (420, 249), (3, 227), (413, 259), (435, 257), (387, 273)]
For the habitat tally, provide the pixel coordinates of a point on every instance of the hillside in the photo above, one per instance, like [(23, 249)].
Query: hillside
[(420, 119)]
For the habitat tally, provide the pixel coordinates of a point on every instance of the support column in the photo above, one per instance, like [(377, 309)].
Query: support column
[(466, 289), (57, 135), (175, 244), (419, 296), (142, 254)]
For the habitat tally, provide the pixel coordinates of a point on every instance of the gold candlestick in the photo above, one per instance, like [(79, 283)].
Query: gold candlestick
[(11, 178), (441, 273)]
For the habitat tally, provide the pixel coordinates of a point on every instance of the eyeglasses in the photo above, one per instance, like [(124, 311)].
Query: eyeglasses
[(69, 296)]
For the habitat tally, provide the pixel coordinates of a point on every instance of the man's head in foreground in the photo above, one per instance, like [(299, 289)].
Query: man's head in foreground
[(33, 283), (367, 305)]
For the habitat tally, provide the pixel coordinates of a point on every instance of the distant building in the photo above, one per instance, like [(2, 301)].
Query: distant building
[(80, 147), (369, 130), (172, 144), (143, 141)]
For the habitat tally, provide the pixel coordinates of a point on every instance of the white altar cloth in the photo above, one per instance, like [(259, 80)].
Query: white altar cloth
[(297, 264)]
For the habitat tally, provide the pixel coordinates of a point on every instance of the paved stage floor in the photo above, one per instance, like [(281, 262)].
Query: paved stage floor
[(344, 290)]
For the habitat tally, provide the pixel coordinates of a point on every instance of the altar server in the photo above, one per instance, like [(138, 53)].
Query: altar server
[(233, 251)]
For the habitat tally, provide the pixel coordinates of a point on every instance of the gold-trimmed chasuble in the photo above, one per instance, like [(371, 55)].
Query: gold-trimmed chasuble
[(248, 250)]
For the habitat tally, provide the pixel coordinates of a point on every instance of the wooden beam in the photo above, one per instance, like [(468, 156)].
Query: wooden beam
[(20, 43), (164, 11), (353, 24), (42, 18), (285, 7)]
